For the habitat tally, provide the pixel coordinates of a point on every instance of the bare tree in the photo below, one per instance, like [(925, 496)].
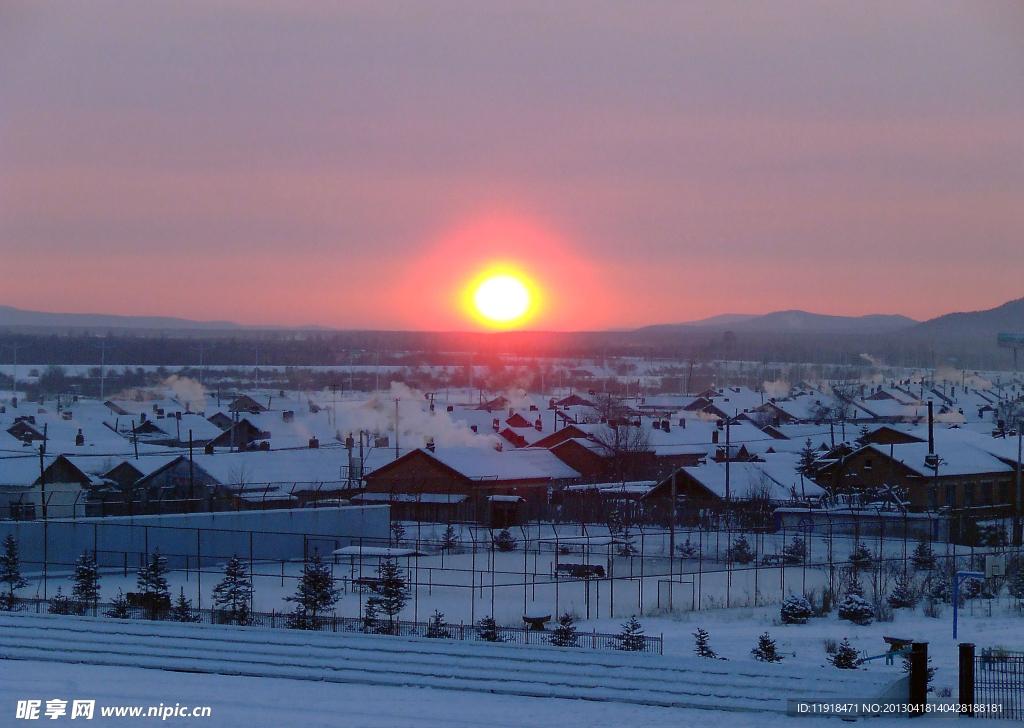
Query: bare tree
[(623, 444)]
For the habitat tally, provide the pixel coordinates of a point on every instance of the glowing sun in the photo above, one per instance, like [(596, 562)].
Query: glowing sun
[(502, 299)]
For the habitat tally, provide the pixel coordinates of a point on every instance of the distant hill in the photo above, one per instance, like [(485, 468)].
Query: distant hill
[(794, 322), (17, 318), (974, 325)]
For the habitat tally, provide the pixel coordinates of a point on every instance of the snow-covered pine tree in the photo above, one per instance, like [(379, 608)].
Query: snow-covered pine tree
[(627, 543), (794, 551), (87, 582), (904, 595), (504, 541), (863, 435), (796, 610), (10, 573), (391, 592), (861, 557), (740, 551), (766, 650), (702, 646), (233, 595), (487, 629), (119, 607), (687, 550), (450, 538), (845, 657), (182, 610), (564, 635), (151, 581), (437, 628), (923, 558), (808, 456), (61, 604), (315, 594), (631, 638)]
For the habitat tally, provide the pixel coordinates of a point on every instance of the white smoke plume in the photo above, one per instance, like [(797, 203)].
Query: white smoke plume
[(188, 391), (778, 388), (416, 422)]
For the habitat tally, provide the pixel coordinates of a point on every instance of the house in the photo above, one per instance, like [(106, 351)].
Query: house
[(63, 485), (245, 403), (460, 482), (239, 436)]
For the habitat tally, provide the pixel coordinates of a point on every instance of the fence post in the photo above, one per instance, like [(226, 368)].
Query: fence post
[(966, 697), (918, 678)]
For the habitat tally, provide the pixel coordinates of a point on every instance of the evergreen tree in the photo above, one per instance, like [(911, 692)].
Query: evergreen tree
[(796, 610), (437, 628), (10, 573), (61, 604), (766, 650), (703, 647), (903, 596), (940, 590), (687, 550), (930, 671), (845, 657), (627, 543), (397, 531), (863, 435), (119, 607), (370, 616), (315, 594), (182, 609), (151, 581), (391, 592), (487, 629), (740, 551), (1016, 583), (808, 456), (923, 557), (504, 541), (564, 635), (87, 581), (794, 552), (232, 596), (861, 558), (631, 638), (450, 539)]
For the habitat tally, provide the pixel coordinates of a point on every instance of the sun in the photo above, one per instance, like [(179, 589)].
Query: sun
[(502, 299)]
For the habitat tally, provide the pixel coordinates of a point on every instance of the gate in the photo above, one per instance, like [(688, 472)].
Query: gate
[(993, 678)]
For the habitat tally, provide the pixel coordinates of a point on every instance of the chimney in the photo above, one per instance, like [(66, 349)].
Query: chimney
[(931, 430)]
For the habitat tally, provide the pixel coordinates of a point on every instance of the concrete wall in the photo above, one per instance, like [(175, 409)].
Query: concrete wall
[(186, 538)]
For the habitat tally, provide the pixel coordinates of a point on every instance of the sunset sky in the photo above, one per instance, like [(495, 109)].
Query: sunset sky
[(362, 164)]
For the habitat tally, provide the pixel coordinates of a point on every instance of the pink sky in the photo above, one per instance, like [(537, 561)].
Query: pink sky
[(304, 163)]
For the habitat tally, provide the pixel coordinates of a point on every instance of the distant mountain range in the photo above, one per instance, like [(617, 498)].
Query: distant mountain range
[(972, 326), (793, 322), (16, 317)]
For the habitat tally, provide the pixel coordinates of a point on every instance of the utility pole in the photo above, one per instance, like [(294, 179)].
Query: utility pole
[(728, 424), (191, 474), (396, 427), (257, 367), (42, 472), (14, 348), (1017, 534), (103, 367), (200, 350)]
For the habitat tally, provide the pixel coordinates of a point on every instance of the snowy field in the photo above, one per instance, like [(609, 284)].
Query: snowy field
[(243, 702)]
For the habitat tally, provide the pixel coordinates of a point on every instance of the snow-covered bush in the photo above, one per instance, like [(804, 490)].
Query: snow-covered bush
[(504, 541), (795, 610), (856, 609), (861, 557), (904, 595), (487, 629), (564, 635), (923, 557), (740, 551)]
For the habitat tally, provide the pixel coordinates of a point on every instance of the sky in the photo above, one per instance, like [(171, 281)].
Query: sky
[(361, 164)]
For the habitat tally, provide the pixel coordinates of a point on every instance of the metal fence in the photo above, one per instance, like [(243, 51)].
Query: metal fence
[(999, 680), (334, 623)]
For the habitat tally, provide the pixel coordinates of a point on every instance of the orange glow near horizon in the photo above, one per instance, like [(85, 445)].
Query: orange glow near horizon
[(477, 274)]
